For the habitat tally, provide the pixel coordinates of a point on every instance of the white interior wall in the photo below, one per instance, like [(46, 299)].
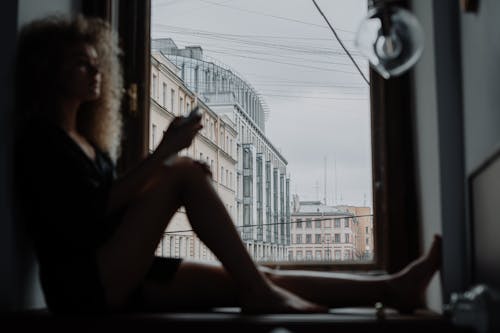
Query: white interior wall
[(33, 9), (427, 148), (481, 82), (457, 87)]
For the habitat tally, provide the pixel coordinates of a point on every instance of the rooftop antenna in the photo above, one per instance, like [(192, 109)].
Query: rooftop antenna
[(317, 190), (324, 185), (335, 177)]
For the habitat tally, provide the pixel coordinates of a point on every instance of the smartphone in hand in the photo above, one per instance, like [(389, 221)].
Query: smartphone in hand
[(193, 116)]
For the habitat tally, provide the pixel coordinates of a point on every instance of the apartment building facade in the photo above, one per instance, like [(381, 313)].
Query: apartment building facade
[(214, 145), (364, 234), (322, 233), (262, 209)]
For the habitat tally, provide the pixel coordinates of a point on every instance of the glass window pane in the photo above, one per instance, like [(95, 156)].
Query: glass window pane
[(276, 168)]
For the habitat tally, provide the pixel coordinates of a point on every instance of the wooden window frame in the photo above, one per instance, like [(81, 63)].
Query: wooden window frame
[(134, 33), (395, 221)]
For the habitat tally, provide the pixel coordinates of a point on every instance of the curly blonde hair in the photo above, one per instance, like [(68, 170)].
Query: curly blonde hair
[(41, 47)]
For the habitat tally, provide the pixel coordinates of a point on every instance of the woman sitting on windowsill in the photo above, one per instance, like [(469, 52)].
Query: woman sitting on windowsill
[(95, 235)]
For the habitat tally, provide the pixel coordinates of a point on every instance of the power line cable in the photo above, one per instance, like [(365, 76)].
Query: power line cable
[(249, 36), (283, 62), (155, 4), (270, 15), (317, 90), (278, 223), (282, 56), (301, 60), (317, 98), (307, 49), (340, 42), (306, 85), (191, 10)]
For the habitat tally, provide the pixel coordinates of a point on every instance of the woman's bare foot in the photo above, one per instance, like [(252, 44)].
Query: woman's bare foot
[(278, 300), (406, 288)]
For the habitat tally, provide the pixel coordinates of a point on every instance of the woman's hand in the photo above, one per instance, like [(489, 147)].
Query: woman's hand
[(178, 136)]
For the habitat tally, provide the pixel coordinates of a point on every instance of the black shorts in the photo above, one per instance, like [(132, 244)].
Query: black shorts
[(75, 288), (162, 271)]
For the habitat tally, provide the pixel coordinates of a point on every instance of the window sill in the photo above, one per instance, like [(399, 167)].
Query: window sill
[(230, 320)]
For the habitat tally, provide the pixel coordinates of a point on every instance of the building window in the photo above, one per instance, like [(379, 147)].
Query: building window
[(346, 222), (181, 246), (155, 86), (366, 229), (308, 239), (188, 107), (317, 238), (299, 255), (328, 254), (247, 186), (347, 254), (337, 254), (317, 224), (181, 105), (299, 224), (337, 238), (221, 178), (309, 255), (299, 239), (290, 255), (153, 136), (317, 255), (346, 236), (328, 238), (308, 223), (172, 246), (172, 99), (336, 223), (164, 95)]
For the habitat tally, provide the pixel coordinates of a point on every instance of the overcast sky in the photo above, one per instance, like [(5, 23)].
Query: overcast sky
[(317, 100)]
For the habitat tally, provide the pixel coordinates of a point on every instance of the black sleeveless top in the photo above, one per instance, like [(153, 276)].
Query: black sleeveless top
[(62, 197)]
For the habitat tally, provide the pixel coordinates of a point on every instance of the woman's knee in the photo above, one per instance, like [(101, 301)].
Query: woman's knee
[(181, 175), (188, 169)]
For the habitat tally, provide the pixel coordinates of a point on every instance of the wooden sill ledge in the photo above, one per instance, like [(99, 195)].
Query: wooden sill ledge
[(229, 320)]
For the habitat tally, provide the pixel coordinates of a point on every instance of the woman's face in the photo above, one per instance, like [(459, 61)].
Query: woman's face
[(80, 76)]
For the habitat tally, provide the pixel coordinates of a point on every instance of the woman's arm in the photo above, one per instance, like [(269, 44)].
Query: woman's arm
[(178, 136)]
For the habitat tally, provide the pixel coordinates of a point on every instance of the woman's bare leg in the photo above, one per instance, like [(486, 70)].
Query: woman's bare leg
[(208, 285), (196, 285), (403, 290), (213, 225), (127, 256)]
